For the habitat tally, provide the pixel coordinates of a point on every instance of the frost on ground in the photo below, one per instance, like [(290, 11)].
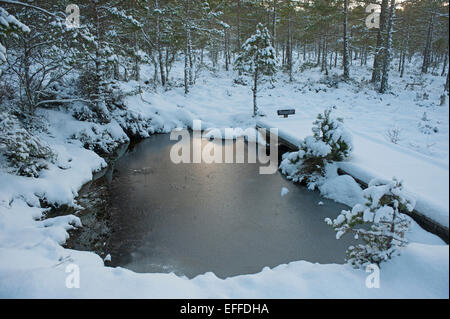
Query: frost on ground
[(33, 262)]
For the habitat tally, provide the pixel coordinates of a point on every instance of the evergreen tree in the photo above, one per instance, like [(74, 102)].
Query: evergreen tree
[(257, 58), (330, 142), (387, 226), (8, 24)]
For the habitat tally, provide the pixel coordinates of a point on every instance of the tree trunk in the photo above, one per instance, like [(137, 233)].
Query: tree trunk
[(255, 90), (388, 49), (137, 70), (427, 50), (167, 64), (99, 96), (162, 72), (238, 38), (345, 52), (446, 83), (191, 59), (226, 50), (186, 66), (335, 56), (319, 48), (27, 78), (289, 49), (444, 67), (377, 62), (274, 26), (324, 67), (402, 71), (405, 52)]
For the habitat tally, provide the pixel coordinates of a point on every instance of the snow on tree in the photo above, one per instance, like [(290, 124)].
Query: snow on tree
[(38, 60), (377, 61), (330, 142), (257, 58), (388, 49), (8, 24), (345, 55), (24, 151), (330, 129), (379, 223)]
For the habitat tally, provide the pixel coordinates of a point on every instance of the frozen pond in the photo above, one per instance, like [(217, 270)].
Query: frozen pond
[(223, 218)]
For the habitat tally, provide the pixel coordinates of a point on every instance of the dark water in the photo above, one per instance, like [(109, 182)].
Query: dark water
[(221, 218)]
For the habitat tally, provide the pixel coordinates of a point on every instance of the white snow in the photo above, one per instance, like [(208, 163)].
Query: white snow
[(33, 262), (421, 160), (343, 189)]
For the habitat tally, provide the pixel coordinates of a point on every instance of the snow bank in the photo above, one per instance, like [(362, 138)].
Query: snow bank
[(39, 271), (426, 180), (33, 262)]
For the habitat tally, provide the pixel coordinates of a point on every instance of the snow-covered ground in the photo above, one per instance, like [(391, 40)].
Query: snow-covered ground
[(33, 262), (419, 157)]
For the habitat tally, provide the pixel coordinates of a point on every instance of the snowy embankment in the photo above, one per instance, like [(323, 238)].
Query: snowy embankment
[(425, 179), (421, 272), (33, 263)]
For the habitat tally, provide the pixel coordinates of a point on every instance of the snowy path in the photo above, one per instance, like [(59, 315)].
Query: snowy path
[(426, 179)]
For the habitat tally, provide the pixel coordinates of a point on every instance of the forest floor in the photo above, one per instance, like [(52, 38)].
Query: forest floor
[(388, 129)]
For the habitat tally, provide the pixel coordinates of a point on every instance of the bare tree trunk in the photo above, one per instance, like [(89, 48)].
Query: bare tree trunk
[(319, 50), (27, 78), (255, 91), (405, 52), (188, 62), (186, 68), (444, 67), (427, 50), (446, 83), (191, 59), (98, 94), (380, 41), (227, 50), (345, 53), (274, 26), (402, 70), (304, 51), (324, 67), (388, 49), (335, 56), (162, 72), (167, 63), (238, 38), (289, 49), (137, 70)]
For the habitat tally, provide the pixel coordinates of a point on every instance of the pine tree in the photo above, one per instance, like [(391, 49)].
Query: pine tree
[(8, 24), (387, 226), (257, 58), (330, 142)]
